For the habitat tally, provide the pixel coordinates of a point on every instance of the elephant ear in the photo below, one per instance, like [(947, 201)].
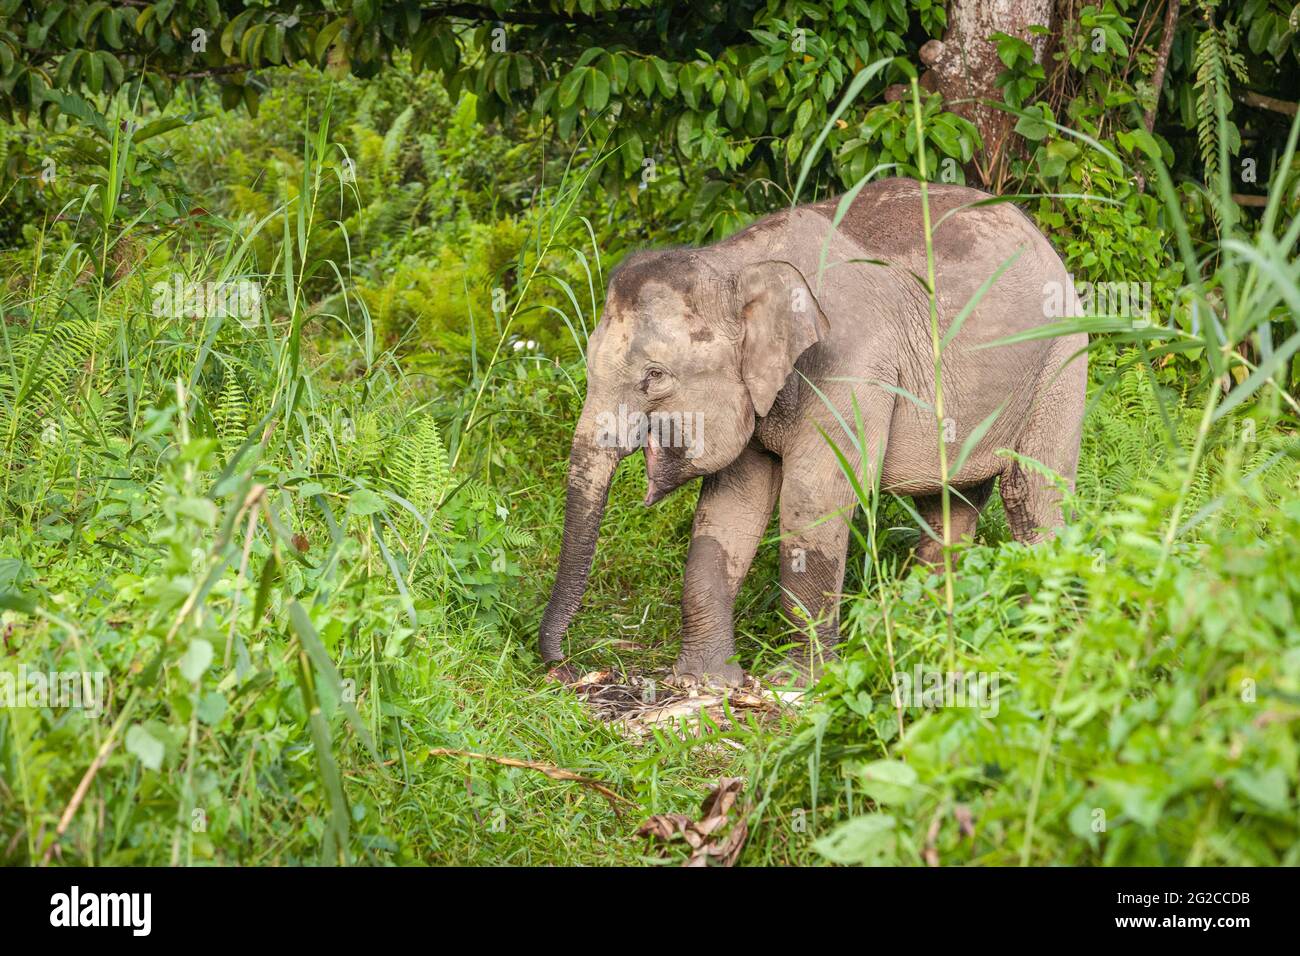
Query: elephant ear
[(781, 318)]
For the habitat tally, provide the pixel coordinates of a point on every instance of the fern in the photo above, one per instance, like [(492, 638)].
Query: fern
[(479, 496), (517, 537), (231, 413), (50, 365), (420, 470), (1216, 58), (390, 154)]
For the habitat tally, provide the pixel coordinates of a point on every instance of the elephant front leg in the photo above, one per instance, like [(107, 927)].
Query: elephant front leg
[(734, 508)]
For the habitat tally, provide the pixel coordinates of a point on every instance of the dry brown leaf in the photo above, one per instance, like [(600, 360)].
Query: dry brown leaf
[(702, 835), (1272, 717), (591, 679), (931, 852), (664, 826)]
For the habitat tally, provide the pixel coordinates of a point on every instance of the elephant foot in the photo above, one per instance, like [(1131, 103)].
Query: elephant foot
[(930, 552), (713, 672)]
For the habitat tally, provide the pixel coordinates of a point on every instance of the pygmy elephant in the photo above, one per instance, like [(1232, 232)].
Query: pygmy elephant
[(737, 362)]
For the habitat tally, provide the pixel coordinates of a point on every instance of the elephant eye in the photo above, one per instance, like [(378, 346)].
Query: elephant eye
[(655, 379)]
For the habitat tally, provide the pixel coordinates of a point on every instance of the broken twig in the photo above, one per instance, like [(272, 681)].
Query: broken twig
[(555, 773)]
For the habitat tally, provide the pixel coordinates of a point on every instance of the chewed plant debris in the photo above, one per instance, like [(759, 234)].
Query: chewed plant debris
[(641, 703)]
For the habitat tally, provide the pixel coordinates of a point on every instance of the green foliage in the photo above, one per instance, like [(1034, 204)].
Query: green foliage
[(256, 579), (1022, 74), (1217, 61), (887, 137), (1168, 741), (711, 109)]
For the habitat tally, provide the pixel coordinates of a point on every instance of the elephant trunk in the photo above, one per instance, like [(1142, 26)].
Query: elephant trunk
[(591, 469)]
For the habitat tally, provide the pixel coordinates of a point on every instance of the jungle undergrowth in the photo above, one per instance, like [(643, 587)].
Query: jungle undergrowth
[(285, 548)]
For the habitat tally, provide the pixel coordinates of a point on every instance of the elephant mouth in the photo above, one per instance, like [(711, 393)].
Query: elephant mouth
[(654, 492), (663, 472)]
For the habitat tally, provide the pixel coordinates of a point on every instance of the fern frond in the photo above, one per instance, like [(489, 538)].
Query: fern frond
[(231, 413), (1216, 59), (421, 469)]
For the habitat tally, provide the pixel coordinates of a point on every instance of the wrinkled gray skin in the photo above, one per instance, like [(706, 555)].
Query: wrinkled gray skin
[(720, 332)]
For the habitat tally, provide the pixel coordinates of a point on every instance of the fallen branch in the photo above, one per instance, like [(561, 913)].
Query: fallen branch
[(555, 773), (212, 72), (1259, 100)]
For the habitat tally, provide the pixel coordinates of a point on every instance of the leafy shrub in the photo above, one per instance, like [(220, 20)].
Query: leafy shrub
[(1137, 715)]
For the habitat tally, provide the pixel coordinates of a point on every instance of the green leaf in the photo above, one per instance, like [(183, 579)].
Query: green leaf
[(570, 87), (596, 90), (888, 781), (113, 65), (17, 601), (270, 573), (803, 115), (88, 18), (1032, 127), (364, 10), (202, 510), (643, 77), (869, 840), (110, 26), (271, 46), (327, 673), (212, 707), (158, 127), (145, 746), (365, 502), (67, 67), (685, 126), (664, 77), (326, 36), (73, 105), (196, 659), (336, 843), (1269, 788)]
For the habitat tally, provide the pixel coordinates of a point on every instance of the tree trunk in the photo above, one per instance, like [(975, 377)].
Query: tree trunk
[(964, 67), (1162, 60)]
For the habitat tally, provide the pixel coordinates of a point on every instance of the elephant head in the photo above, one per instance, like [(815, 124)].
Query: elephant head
[(691, 349)]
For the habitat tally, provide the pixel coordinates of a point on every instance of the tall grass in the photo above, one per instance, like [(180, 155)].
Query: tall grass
[(295, 585)]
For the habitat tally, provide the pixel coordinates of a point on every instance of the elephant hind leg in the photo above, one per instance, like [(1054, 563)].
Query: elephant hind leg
[(964, 506), (815, 526), (817, 503), (1051, 437)]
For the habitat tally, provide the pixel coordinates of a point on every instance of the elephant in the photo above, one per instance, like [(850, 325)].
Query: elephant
[(736, 362)]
